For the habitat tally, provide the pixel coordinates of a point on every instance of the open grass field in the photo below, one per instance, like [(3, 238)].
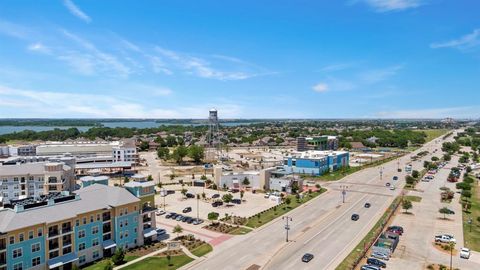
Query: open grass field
[(156, 262), (100, 265), (202, 250), (281, 209), (413, 198), (471, 234), (434, 133)]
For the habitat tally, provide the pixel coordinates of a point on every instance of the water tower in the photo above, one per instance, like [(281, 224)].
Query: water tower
[(212, 136)]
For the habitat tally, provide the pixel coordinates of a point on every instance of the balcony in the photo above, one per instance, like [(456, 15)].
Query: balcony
[(66, 230), (53, 233), (106, 217), (107, 237), (107, 228), (3, 244), (146, 219), (52, 246)]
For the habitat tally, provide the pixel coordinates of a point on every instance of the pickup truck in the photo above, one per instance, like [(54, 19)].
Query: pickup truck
[(445, 238)]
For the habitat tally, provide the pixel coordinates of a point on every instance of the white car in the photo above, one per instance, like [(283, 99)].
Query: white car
[(465, 253), (160, 212), (392, 187), (445, 238)]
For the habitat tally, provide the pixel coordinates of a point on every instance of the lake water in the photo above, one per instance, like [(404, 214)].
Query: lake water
[(127, 124)]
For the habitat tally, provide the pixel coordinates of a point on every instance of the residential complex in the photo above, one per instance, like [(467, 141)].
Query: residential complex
[(20, 181), (59, 230), (315, 162), (320, 143)]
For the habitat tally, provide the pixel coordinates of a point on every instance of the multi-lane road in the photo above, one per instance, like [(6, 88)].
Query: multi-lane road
[(322, 227)]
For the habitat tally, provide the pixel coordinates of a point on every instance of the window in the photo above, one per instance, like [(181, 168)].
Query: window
[(95, 242), (77, 222), (35, 247), (20, 237), (36, 261), (18, 266), (98, 217), (95, 254), (84, 220), (91, 218), (81, 246), (135, 230), (17, 253), (11, 240), (67, 250), (30, 235), (121, 224), (53, 254), (81, 234), (39, 232), (121, 212), (82, 259), (126, 211), (95, 230), (126, 234)]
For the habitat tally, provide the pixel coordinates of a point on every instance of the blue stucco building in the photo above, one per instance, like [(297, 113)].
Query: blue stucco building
[(315, 162)]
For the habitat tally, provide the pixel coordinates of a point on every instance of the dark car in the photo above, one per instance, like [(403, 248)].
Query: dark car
[(214, 196), (190, 220), (217, 203), (170, 192), (184, 219), (376, 262), (237, 201), (395, 178), (367, 205), (307, 257), (171, 215), (190, 195), (355, 217), (187, 209), (396, 228)]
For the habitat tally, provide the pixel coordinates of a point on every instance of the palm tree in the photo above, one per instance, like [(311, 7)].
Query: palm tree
[(177, 229)]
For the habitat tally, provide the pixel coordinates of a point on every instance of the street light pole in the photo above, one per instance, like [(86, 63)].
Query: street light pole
[(287, 226), (344, 192), (164, 195)]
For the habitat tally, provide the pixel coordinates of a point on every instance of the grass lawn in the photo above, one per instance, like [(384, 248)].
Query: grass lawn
[(202, 250), (156, 262), (101, 264), (240, 230), (433, 133), (357, 252), (472, 239), (271, 214), (413, 198)]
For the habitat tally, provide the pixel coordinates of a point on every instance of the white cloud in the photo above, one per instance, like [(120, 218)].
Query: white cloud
[(39, 47), (14, 30), (320, 87), (391, 5), (465, 42), (378, 75), (202, 68), (455, 112), (76, 11), (336, 67)]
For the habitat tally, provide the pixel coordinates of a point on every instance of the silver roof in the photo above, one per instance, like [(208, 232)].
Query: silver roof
[(94, 197)]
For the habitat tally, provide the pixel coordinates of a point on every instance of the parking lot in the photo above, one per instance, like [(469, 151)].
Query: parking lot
[(250, 205)]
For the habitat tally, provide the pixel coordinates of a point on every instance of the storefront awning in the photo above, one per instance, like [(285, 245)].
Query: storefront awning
[(62, 260), (149, 232), (109, 244)]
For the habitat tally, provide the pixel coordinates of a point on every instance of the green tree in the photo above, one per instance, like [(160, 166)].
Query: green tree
[(169, 259), (171, 141), (409, 180), (108, 266), (163, 153), (288, 201), (447, 157), (75, 267), (415, 174), (126, 180), (184, 192), (177, 229), (119, 256), (227, 198), (143, 146), (466, 193), (196, 153), (406, 205), (445, 211), (212, 216), (245, 181), (434, 158), (179, 153), (149, 177)]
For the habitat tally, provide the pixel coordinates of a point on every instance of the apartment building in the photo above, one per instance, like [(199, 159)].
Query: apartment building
[(60, 230), (320, 143), (315, 162), (25, 180)]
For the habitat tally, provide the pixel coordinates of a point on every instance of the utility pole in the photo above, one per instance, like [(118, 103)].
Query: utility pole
[(344, 192), (381, 173), (198, 199), (164, 195), (287, 226)]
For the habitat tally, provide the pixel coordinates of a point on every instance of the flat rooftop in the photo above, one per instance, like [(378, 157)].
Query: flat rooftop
[(316, 154), (104, 165)]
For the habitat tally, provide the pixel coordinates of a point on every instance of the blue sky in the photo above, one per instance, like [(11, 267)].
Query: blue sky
[(248, 59)]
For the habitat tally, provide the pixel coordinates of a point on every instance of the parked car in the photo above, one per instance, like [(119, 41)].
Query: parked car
[(214, 196), (376, 262), (237, 201), (367, 205), (381, 256), (387, 184), (395, 228), (217, 203), (161, 231), (392, 187), (445, 238), (187, 209), (355, 217), (169, 215), (190, 220), (160, 212), (190, 195), (267, 195), (170, 192), (395, 178), (179, 217), (465, 253), (307, 257), (184, 219), (369, 267), (197, 221)]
